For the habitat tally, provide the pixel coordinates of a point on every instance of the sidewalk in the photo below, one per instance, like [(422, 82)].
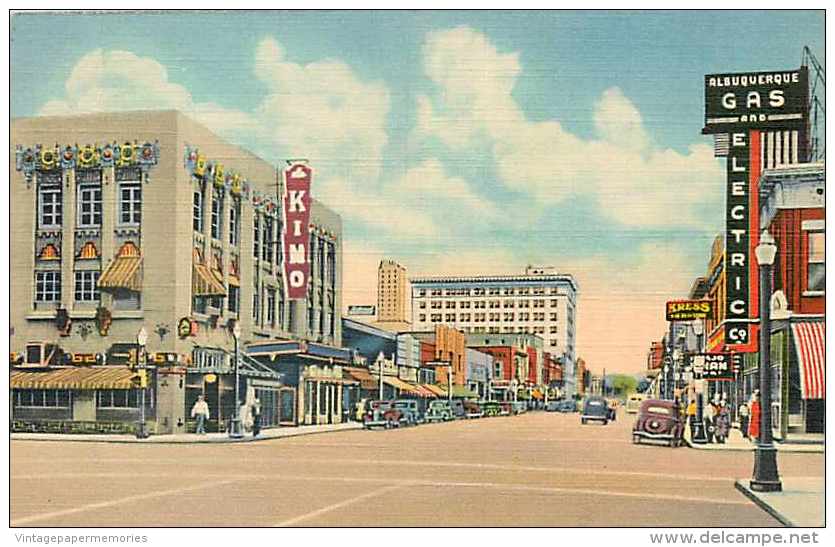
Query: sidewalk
[(800, 504), (737, 442), (183, 438)]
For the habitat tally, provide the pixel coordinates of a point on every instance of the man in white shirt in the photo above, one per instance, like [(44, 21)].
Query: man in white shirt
[(200, 411)]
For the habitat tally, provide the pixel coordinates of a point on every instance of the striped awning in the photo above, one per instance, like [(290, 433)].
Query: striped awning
[(809, 343), (123, 272), (204, 282), (422, 391), (73, 378)]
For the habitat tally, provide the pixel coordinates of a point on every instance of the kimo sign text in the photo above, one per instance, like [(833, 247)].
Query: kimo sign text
[(296, 230)]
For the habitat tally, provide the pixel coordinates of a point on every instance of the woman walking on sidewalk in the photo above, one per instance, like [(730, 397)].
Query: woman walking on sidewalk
[(754, 424)]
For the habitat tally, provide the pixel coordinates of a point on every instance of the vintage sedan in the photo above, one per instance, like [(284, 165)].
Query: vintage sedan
[(473, 410), (567, 405), (409, 409), (381, 414), (439, 411), (595, 409), (659, 421), (491, 408)]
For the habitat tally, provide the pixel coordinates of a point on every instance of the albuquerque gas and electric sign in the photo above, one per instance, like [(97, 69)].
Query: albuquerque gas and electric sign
[(744, 106)]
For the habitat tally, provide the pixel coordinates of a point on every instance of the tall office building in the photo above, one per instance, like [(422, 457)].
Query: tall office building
[(391, 292), (540, 302)]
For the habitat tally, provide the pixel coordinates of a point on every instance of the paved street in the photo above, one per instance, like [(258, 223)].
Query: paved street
[(538, 469)]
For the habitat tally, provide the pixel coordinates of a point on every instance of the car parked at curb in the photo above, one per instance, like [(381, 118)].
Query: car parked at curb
[(472, 410), (505, 408), (567, 405), (491, 408), (659, 420), (381, 414), (439, 411), (409, 410), (518, 407), (595, 409)]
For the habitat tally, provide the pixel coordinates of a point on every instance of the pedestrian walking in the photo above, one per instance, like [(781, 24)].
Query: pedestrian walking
[(723, 423), (754, 424), (256, 416), (743, 419), (691, 416), (200, 411), (710, 421)]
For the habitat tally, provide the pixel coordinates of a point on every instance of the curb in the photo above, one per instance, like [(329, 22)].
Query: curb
[(762, 504), (781, 448), (161, 440)]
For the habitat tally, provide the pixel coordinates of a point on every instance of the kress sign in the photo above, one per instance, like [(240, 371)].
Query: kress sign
[(685, 310)]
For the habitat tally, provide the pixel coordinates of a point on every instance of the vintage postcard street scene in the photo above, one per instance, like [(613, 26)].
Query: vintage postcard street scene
[(485, 268)]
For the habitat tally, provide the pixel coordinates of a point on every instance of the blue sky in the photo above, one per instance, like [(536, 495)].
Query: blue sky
[(455, 141)]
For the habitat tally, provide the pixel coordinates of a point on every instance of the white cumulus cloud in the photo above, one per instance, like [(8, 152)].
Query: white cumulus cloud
[(634, 181)]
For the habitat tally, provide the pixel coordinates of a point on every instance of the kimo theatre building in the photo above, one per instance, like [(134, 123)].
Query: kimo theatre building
[(147, 221)]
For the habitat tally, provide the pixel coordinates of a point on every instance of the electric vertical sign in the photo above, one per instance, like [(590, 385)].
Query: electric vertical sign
[(296, 230), (737, 240)]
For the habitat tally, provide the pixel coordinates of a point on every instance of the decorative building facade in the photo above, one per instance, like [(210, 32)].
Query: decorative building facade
[(147, 219)]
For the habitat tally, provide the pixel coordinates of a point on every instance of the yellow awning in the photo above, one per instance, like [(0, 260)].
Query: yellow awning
[(234, 281), (400, 384), (123, 272), (205, 283), (73, 378), (437, 390)]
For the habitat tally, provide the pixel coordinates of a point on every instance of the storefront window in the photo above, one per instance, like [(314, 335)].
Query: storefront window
[(117, 398), (42, 398)]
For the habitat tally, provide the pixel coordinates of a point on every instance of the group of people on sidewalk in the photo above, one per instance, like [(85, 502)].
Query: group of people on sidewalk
[(717, 421), (250, 412)]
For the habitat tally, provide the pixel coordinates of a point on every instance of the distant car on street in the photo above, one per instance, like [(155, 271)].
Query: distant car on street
[(409, 410), (595, 409), (381, 414), (633, 403), (567, 405), (506, 408), (518, 407), (658, 421), (439, 411), (491, 408), (472, 410), (552, 406)]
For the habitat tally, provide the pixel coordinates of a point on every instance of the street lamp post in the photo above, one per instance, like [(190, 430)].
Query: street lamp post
[(449, 382), (141, 340), (235, 429), (699, 436), (766, 477), (676, 371)]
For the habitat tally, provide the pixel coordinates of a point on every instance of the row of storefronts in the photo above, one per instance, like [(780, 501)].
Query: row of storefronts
[(793, 213)]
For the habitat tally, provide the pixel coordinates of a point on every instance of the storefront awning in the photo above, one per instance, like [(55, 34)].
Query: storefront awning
[(423, 391), (362, 376), (401, 385), (437, 390), (73, 378), (205, 283), (809, 343), (123, 272)]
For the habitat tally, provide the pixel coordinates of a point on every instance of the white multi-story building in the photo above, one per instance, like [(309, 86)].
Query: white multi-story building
[(540, 302)]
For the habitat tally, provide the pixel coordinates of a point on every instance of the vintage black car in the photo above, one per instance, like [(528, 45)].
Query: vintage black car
[(659, 421), (595, 409)]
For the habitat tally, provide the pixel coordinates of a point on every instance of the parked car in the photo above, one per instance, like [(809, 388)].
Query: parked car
[(553, 406), (410, 411), (518, 407), (458, 411), (595, 409), (473, 410), (381, 414), (567, 405), (490, 408), (505, 408), (658, 421), (439, 411)]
